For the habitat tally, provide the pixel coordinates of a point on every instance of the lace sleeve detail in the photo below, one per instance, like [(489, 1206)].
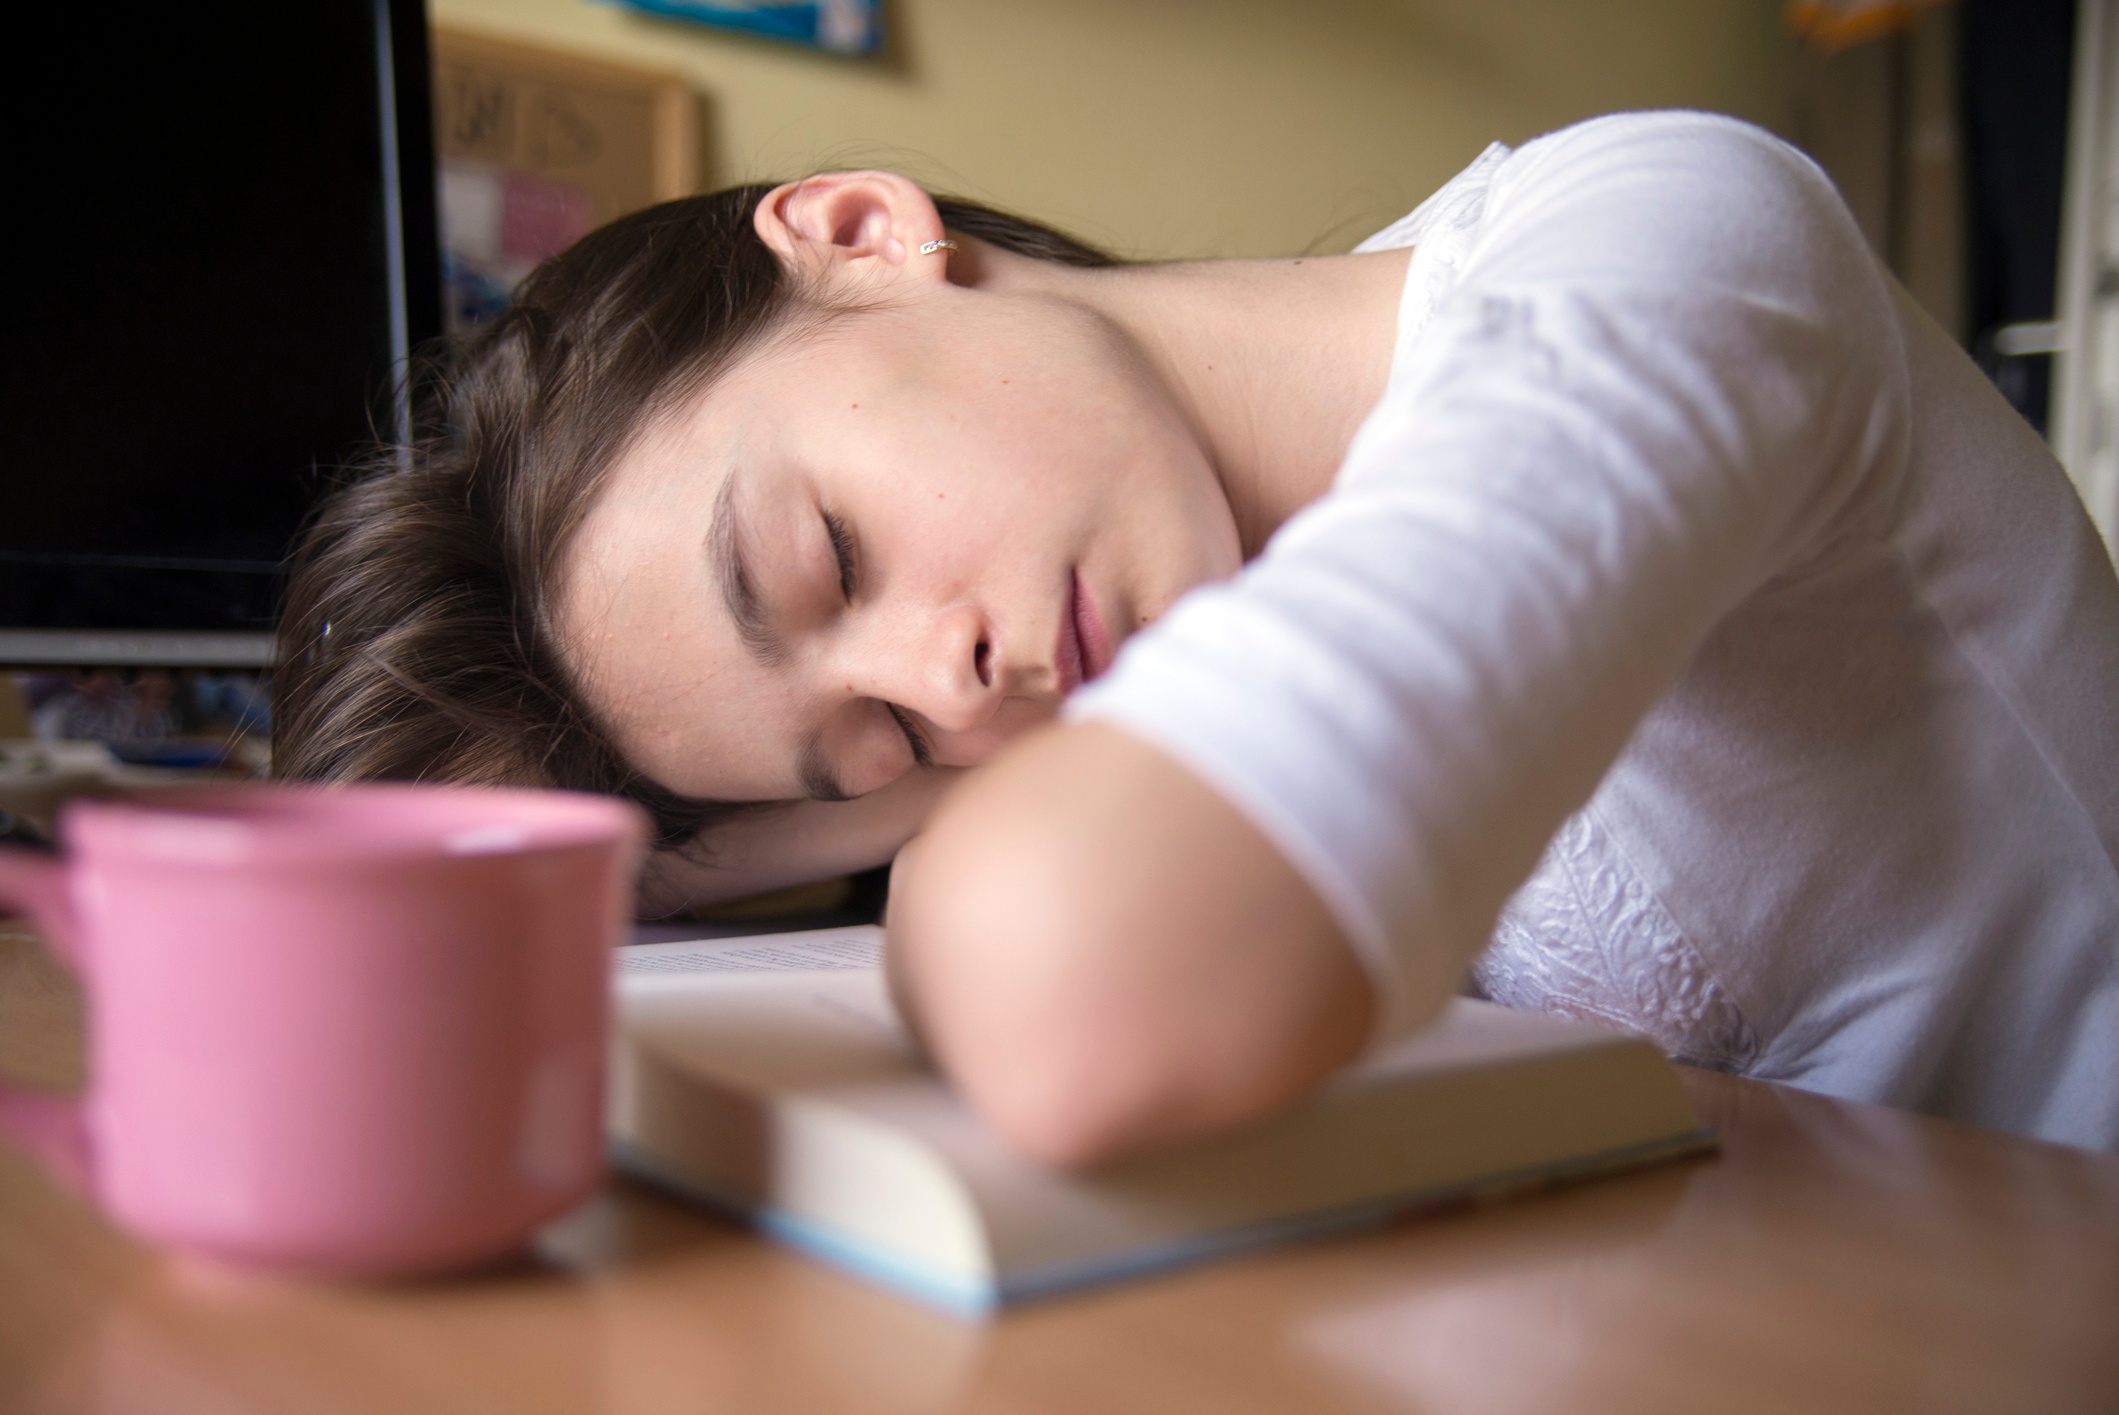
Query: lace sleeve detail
[(1585, 937)]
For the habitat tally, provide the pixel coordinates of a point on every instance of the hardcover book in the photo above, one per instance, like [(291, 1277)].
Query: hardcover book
[(770, 1077)]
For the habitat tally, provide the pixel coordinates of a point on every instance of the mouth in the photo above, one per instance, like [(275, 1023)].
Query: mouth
[(1085, 649)]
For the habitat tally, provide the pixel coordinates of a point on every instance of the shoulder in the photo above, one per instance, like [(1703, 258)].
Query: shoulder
[(1664, 138), (1675, 164), (1680, 204)]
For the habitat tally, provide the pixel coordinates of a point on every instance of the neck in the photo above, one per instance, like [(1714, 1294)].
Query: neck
[(1275, 363)]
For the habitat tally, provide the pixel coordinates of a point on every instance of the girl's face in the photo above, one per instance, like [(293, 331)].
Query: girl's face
[(903, 538)]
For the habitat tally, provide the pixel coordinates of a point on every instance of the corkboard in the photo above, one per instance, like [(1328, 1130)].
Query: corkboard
[(537, 148)]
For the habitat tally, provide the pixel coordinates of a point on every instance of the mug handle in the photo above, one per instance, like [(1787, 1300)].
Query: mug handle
[(49, 1127)]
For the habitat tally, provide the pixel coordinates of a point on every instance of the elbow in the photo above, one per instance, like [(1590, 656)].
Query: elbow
[(1069, 1088), (1013, 993), (1073, 1112), (1102, 971), (1075, 1081), (1053, 1078)]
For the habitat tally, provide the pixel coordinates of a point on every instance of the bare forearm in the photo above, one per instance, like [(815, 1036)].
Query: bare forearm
[(791, 844), (1104, 954)]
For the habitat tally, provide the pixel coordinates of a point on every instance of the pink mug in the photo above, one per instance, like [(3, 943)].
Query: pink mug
[(349, 1031)]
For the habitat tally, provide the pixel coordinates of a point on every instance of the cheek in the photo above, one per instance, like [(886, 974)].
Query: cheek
[(1016, 716), (985, 468), (865, 746), (1185, 530), (939, 536)]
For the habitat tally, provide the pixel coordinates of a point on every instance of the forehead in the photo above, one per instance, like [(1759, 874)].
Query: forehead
[(641, 620)]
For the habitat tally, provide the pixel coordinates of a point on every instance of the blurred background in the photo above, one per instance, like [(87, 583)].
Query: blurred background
[(1977, 142), (1268, 127), (1186, 127)]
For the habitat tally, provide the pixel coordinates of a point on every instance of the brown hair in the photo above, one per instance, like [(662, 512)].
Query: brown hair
[(413, 643)]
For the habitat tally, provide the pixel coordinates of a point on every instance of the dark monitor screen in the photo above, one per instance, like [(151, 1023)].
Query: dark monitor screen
[(224, 250)]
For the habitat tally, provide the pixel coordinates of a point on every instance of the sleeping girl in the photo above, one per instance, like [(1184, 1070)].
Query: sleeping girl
[(1603, 591)]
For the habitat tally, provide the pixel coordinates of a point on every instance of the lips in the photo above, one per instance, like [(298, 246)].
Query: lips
[(1085, 644), (1067, 658)]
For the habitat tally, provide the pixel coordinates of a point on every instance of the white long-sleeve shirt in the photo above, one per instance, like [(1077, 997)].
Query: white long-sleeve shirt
[(1692, 639)]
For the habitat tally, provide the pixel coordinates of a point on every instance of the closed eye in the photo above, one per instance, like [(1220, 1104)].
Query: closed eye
[(842, 551), (922, 754)]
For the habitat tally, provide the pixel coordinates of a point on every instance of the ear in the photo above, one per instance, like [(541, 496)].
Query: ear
[(854, 230)]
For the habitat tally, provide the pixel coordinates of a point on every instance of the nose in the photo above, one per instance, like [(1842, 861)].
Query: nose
[(946, 669)]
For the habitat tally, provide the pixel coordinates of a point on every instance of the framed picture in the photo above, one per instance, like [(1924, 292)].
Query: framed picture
[(537, 148), (841, 26)]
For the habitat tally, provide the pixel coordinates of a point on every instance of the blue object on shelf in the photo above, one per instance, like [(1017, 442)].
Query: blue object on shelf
[(177, 755), (840, 26)]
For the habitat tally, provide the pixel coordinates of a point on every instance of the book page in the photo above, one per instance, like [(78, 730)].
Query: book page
[(816, 950), (770, 1012)]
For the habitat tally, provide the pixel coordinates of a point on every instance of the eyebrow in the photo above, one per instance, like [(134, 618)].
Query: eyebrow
[(739, 588)]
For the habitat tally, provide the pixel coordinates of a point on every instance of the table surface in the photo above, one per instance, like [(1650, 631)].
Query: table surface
[(1832, 1257)]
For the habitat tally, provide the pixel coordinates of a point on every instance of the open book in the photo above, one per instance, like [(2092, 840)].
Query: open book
[(770, 1076)]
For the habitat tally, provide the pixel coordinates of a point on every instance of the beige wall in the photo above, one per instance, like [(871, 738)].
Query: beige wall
[(1187, 127)]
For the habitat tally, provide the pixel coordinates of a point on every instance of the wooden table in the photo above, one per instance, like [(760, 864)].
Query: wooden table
[(1834, 1257)]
